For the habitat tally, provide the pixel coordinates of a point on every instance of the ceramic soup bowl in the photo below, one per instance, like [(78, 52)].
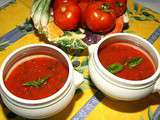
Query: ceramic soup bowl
[(119, 88), (45, 107)]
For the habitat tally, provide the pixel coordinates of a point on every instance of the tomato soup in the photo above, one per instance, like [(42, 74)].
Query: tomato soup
[(126, 60), (36, 77)]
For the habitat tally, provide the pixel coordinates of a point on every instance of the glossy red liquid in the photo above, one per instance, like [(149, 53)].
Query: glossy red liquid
[(33, 69), (120, 52)]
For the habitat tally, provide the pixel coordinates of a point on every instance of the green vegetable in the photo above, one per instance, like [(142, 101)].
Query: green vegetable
[(35, 5), (117, 67), (41, 14), (37, 83), (71, 40), (37, 15), (45, 16), (134, 62), (114, 68)]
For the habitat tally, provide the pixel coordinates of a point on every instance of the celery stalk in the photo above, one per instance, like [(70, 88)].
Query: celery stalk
[(45, 16), (35, 5), (38, 13)]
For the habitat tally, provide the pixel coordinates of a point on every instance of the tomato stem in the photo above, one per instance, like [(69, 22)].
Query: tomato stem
[(119, 4), (105, 7)]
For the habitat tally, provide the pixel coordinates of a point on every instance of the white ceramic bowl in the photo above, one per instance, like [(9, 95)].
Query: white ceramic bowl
[(119, 88), (46, 107)]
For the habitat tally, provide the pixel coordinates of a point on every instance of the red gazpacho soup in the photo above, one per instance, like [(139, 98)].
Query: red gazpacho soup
[(126, 60), (36, 77)]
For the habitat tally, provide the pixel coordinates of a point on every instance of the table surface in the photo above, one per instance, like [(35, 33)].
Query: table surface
[(88, 103)]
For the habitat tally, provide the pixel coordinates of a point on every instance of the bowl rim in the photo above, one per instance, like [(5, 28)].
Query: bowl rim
[(38, 101), (121, 80)]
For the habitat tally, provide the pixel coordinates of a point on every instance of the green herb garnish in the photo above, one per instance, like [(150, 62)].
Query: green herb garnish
[(134, 62), (117, 67), (114, 68), (37, 83)]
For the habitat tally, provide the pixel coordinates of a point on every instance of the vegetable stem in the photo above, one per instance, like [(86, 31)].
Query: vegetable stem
[(45, 15), (35, 5), (38, 13)]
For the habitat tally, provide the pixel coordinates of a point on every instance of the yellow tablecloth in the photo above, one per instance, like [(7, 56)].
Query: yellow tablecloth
[(88, 103)]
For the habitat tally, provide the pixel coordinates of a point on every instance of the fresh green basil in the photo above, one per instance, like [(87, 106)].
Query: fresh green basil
[(37, 83), (114, 68), (134, 62), (117, 67)]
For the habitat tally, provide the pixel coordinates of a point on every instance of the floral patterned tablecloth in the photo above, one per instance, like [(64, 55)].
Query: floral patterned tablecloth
[(88, 103)]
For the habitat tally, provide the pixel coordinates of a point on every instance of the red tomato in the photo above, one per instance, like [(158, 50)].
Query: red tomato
[(67, 15), (119, 6), (56, 3), (83, 4), (99, 18)]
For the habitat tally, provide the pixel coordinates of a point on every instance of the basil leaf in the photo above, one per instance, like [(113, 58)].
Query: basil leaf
[(134, 62), (37, 83), (114, 68)]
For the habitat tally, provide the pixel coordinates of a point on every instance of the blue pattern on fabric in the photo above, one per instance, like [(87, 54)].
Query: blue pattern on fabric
[(154, 36), (89, 106)]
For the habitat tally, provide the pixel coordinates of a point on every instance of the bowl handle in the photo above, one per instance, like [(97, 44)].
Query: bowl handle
[(78, 79), (157, 85), (91, 49)]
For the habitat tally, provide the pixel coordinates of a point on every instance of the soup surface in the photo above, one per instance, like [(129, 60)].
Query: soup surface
[(36, 77), (126, 60)]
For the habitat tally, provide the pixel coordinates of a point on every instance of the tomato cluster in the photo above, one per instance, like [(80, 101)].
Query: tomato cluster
[(96, 15)]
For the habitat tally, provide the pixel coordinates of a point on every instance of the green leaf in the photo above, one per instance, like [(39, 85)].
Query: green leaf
[(37, 83), (67, 33), (134, 62), (114, 68), (150, 114), (72, 40)]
